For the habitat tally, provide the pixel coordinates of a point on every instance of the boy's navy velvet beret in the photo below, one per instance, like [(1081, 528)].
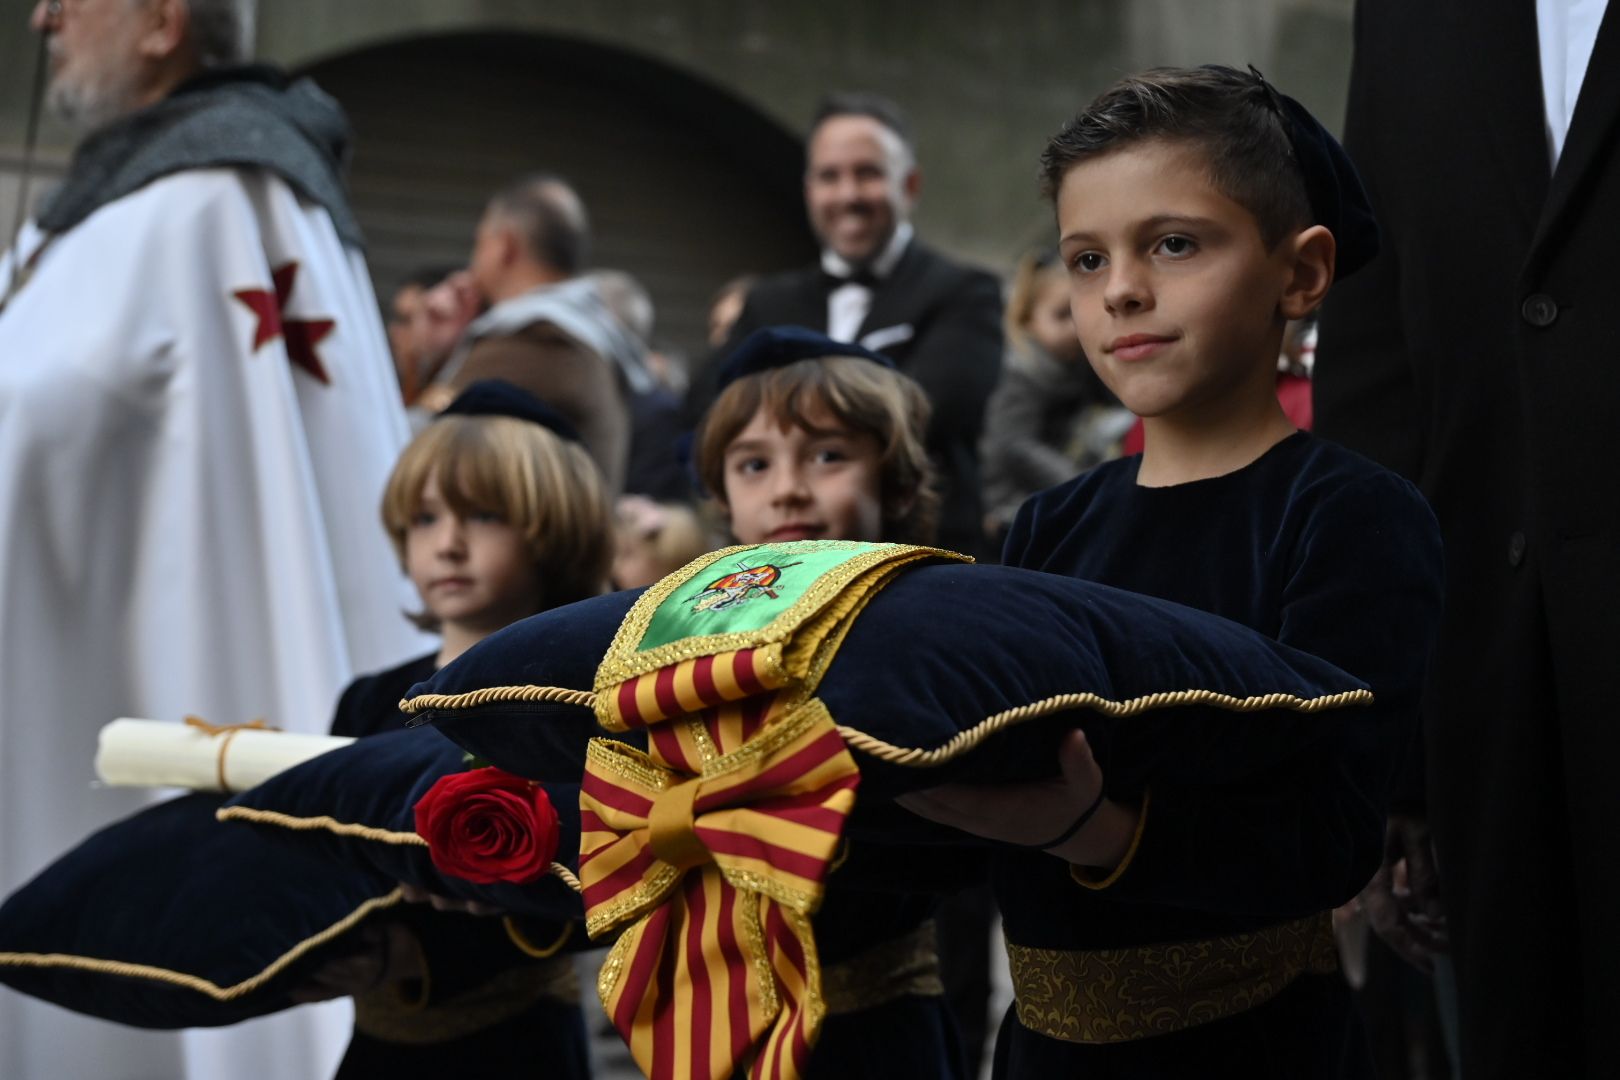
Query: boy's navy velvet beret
[(356, 807), (936, 663), (1332, 184), (170, 919), (497, 397), (778, 346)]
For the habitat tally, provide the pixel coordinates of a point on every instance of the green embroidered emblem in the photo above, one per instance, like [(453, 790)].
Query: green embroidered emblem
[(746, 590), (740, 586)]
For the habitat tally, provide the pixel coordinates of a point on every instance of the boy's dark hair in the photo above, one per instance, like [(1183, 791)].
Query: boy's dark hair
[(861, 103), (856, 394), (1229, 116)]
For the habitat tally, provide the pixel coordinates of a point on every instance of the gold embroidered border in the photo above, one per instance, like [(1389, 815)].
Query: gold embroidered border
[(624, 661), (491, 695), (1117, 995), (505, 995), (906, 965), (327, 823), (197, 982), (963, 741)]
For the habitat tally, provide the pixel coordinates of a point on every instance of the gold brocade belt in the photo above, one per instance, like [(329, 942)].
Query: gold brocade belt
[(385, 1014), (908, 964), (1116, 995)]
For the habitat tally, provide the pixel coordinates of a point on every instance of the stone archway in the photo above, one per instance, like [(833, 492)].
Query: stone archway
[(686, 185)]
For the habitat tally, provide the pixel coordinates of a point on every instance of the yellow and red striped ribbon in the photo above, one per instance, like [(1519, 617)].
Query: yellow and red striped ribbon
[(692, 685), (715, 847)]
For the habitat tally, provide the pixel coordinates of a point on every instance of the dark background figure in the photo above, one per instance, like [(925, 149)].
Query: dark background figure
[(1480, 356), (547, 329), (876, 284)]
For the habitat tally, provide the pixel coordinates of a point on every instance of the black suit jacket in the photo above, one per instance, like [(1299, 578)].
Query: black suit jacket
[(953, 350), (1480, 355)]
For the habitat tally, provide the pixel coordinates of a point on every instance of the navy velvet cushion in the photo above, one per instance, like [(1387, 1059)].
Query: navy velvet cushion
[(933, 658), (356, 806), (169, 919)]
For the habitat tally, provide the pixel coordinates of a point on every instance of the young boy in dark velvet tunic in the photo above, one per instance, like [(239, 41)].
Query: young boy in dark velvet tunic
[(813, 439), (1179, 930), (496, 512)]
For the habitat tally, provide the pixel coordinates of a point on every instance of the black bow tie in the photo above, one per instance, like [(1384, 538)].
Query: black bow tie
[(858, 277)]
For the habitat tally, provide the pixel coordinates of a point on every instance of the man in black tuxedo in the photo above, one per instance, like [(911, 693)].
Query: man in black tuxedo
[(877, 285), (1480, 355)]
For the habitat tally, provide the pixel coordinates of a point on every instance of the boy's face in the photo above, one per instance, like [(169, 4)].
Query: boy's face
[(786, 483), (474, 573), (1178, 304)]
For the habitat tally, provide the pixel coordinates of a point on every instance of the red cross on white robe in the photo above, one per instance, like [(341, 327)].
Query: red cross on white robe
[(300, 335)]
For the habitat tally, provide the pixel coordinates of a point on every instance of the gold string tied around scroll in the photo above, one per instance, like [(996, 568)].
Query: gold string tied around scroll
[(225, 733)]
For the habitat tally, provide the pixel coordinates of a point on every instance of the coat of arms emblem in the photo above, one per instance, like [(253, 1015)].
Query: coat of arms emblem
[(738, 587)]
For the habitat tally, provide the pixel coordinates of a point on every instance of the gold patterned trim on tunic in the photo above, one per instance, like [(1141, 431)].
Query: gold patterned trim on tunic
[(906, 965), (204, 986), (327, 823), (963, 741), (382, 1015), (1117, 995)]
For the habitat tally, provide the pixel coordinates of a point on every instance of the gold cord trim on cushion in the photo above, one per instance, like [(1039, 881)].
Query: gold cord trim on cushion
[(197, 982), (906, 965), (472, 698), (323, 822), (963, 741), (327, 823), (1117, 995), (1088, 877), (529, 948), (381, 1015)]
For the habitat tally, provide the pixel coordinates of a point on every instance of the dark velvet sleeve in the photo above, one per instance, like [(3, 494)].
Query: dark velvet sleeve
[(1364, 594)]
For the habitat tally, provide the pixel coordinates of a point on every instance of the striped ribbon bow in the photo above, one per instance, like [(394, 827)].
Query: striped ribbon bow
[(715, 848)]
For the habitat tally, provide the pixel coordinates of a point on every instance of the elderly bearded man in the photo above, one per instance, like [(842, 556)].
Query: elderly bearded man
[(197, 413)]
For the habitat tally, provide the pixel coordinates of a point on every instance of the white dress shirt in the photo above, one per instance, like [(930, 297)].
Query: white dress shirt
[(847, 305), (1567, 30)]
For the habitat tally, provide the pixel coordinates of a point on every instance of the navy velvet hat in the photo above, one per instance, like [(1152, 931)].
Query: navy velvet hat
[(497, 397), (1332, 184), (169, 919), (952, 672), (356, 807), (778, 346)]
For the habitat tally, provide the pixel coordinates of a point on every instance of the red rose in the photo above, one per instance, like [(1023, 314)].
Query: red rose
[(487, 826)]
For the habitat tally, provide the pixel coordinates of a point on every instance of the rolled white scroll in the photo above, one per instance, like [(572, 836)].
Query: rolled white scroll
[(159, 753)]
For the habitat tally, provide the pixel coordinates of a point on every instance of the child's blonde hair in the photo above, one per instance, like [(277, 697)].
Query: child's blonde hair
[(860, 395), (546, 488), (1034, 269)]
